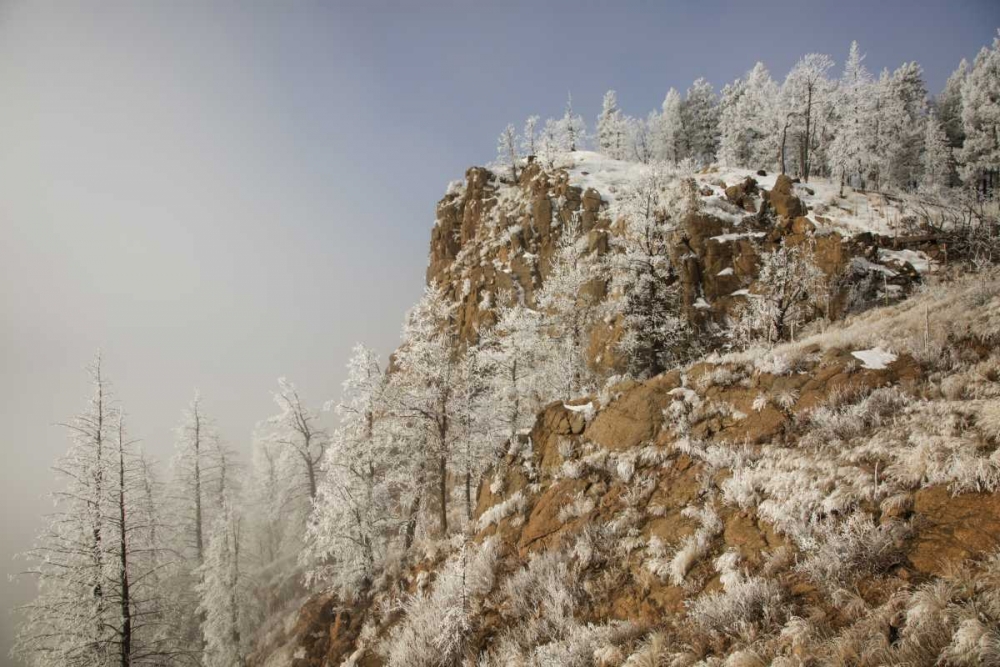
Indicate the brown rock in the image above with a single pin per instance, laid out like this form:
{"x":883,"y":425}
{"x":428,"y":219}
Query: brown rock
{"x":953,"y":528}
{"x":783,"y":199}
{"x":742,"y":194}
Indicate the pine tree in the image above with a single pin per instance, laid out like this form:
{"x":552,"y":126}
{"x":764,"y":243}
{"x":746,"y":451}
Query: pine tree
{"x":804,"y":93}
{"x":949,"y":105}
{"x":670,"y":130}
{"x":938,"y":164}
{"x":569,"y":302}
{"x":700,"y":117}
{"x":427,"y":391}
{"x":508,"y":155}
{"x":226,"y":603}
{"x":904,"y":117}
{"x":611,"y":128}
{"x":748,"y":121}
{"x":530,"y":138}
{"x":644,"y":280}
{"x":354,"y":513}
{"x":296,"y":428}
{"x":572,"y":128}
{"x":200,"y":476}
{"x":96,"y":562}
{"x":852,"y":151}
{"x":980,"y":154}
{"x":640,"y":138}
{"x":511,"y":356}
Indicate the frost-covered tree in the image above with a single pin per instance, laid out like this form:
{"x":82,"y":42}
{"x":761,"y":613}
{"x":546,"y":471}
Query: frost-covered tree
{"x":549,"y":142}
{"x":572,"y":129}
{"x":747,"y":120}
{"x":297,"y":429}
{"x":640,"y":138}
{"x":225,"y":600}
{"x":511,"y":356}
{"x":612,"y":128}
{"x":949,"y":105}
{"x":356,"y":509}
{"x":508,"y":154}
{"x":804,"y":93}
{"x":530,"y":137}
{"x":980,"y":154}
{"x":200,"y":468}
{"x":569,"y":300}
{"x":780,"y":299}
{"x":670,"y":130}
{"x":852,"y":152}
{"x":644,"y":281}
{"x":938,"y":164}
{"x":901,"y":126}
{"x":426,"y":387}
{"x":99,"y":602}
{"x":700,"y":116}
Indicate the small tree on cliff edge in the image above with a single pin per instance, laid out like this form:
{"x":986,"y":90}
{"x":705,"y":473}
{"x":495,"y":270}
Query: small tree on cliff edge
{"x":507,"y":151}
{"x":644,"y":280}
{"x":781,"y":299}
{"x":425,"y":391}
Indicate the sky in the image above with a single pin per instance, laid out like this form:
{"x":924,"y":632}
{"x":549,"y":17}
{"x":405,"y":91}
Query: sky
{"x":217,"y":194}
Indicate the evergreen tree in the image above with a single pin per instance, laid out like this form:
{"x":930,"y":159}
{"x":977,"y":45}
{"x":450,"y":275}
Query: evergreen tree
{"x":354,"y":514}
{"x":670,"y":130}
{"x":97,"y":560}
{"x":426,"y":388}
{"x":980,"y":154}
{"x":644,"y":280}
{"x":938,"y":164}
{"x":507,"y":151}
{"x":804,"y":95}
{"x":700,"y":118}
{"x":748,"y":121}
{"x":611,"y":128}
{"x":225,"y":597}
{"x":572,"y":129}
{"x":949,"y":105}
{"x":852,"y":151}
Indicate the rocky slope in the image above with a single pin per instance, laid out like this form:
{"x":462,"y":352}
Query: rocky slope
{"x":493,"y":240}
{"x":833,"y":501}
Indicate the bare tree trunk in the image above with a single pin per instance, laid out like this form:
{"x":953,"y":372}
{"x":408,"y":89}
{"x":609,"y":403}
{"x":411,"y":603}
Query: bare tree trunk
{"x":123,"y":566}
{"x":805,"y":145}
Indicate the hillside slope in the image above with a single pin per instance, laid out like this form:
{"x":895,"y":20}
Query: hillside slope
{"x":827,"y":501}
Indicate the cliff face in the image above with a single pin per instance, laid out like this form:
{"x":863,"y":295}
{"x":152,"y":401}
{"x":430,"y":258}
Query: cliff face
{"x":794,"y":508}
{"x":492,"y":239}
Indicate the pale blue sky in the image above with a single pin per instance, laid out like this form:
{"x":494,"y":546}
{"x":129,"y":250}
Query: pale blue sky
{"x":219,"y":193}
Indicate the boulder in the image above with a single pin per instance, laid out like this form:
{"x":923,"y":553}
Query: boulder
{"x":742,"y":194}
{"x":783,"y":200}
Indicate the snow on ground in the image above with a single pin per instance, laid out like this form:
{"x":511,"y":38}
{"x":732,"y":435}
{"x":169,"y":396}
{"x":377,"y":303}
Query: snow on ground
{"x":853,"y":213}
{"x":918,"y":260}
{"x":723,"y":238}
{"x":850,"y":214}
{"x":874,"y":359}
{"x":588,"y":169}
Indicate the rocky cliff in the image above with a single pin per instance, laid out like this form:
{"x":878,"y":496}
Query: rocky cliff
{"x":833,"y":501}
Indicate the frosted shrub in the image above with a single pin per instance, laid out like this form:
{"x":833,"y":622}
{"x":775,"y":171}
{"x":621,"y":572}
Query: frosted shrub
{"x":857,"y":548}
{"x":435,"y":625}
{"x":694,"y":547}
{"x":497,"y":513}
{"x":580,"y":506}
{"x":747,"y":606}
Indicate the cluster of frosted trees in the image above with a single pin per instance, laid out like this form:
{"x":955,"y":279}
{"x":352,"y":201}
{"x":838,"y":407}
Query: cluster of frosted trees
{"x":862,"y":129}
{"x":134,"y":570}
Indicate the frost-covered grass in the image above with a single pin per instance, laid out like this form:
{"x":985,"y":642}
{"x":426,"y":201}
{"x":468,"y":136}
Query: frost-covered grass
{"x":502,"y":510}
